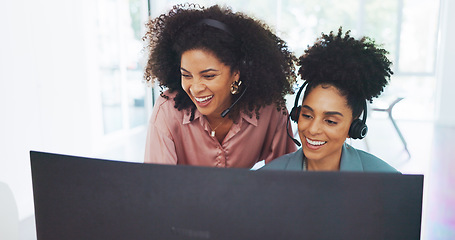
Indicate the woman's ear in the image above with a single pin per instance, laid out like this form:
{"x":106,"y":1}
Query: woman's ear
{"x":236,"y":75}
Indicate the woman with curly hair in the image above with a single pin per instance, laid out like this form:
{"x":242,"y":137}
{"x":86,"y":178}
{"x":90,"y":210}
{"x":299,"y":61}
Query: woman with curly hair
{"x":225,"y":76}
{"x":341,"y":74}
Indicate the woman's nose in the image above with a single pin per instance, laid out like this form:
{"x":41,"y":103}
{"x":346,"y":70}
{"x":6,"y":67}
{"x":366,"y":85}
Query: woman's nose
{"x":197,"y":86}
{"x":314,"y":128}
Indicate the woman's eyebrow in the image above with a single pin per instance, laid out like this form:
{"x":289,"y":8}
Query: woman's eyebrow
{"x":208,"y":70}
{"x":325,"y":113}
{"x":308,"y":107}
{"x":203,"y":71}
{"x":333,"y":113}
{"x":183,"y":69}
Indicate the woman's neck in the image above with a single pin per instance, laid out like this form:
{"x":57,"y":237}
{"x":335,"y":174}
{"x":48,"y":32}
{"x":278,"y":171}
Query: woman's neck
{"x":219,"y":127}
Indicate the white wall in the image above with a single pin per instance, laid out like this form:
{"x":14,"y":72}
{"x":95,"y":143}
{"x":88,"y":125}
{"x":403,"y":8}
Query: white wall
{"x":445,"y":102}
{"x":48,"y":95}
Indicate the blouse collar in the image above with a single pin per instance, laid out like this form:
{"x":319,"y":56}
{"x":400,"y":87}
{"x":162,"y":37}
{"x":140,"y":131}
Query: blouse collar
{"x":198,"y":115}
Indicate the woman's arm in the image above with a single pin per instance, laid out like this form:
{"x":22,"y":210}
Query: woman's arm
{"x":279,"y":143}
{"x":160,"y":147}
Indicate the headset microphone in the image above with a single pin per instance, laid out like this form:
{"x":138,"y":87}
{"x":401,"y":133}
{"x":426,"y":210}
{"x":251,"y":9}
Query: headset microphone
{"x":221,"y":26}
{"x":295,"y":112}
{"x":226,"y":111}
{"x":293,"y":139}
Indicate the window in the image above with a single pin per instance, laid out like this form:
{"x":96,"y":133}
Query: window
{"x":123,"y":93}
{"x":410,"y":38}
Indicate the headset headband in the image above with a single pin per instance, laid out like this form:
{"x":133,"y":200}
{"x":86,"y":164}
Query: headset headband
{"x":364,"y":116}
{"x":296,"y":101}
{"x":297,"y":97}
{"x":216,"y":24}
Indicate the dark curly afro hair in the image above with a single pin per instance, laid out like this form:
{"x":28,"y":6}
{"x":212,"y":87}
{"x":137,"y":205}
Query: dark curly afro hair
{"x":359,"y":69}
{"x":266,"y":65}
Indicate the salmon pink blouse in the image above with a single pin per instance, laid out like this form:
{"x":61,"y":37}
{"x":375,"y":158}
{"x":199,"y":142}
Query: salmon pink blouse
{"x":173,"y":139}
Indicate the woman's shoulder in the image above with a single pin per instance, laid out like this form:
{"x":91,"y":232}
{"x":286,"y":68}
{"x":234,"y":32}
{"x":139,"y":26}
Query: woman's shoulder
{"x":269,"y":116}
{"x":271,"y":109}
{"x":164,"y":107}
{"x":165,"y":98}
{"x":371,"y":163}
{"x":271,"y":113}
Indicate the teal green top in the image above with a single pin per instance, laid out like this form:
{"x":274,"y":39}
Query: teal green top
{"x":352,"y":160}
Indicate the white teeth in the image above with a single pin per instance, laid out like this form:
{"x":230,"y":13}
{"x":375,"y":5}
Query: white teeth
{"x":203,"y":99}
{"x":316,"y":143}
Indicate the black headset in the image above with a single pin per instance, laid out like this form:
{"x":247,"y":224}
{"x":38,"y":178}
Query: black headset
{"x":245,"y":62}
{"x":357,"y":130}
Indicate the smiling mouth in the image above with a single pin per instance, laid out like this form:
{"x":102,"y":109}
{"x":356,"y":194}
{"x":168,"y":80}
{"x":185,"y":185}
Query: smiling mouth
{"x":315,"y":143}
{"x":204,"y":99}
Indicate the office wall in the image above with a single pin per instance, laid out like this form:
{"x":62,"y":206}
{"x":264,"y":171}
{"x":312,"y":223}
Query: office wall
{"x":48,"y":95}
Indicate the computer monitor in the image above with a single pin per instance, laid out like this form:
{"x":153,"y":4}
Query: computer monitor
{"x":84,"y":198}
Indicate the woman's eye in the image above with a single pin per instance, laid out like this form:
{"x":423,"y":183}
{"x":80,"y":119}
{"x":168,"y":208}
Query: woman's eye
{"x":186,"y":75}
{"x":306,"y":116}
{"x":209,"y":76}
{"x":330,"y":122}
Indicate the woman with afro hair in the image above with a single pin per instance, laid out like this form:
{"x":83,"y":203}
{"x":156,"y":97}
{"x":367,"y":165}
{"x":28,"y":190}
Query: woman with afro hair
{"x":340,"y":74}
{"x":223,"y":77}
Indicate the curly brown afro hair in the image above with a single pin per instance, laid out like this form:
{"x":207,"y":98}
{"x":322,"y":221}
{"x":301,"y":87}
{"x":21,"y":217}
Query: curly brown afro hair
{"x":265,"y":63}
{"x":359,"y":69}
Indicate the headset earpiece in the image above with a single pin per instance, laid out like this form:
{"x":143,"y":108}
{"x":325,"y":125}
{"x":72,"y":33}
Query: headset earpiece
{"x":295,"y":111}
{"x":359,"y":129}
{"x":294,"y":115}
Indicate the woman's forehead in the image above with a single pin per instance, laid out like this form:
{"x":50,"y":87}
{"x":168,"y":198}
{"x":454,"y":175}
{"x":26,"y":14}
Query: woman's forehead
{"x":327,"y":98}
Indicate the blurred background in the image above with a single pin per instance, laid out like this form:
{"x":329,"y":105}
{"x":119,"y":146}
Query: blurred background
{"x":71,"y":83}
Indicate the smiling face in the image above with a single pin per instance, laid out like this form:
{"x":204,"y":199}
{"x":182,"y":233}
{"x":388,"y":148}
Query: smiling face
{"x":207,"y":81}
{"x":323,"y":124}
